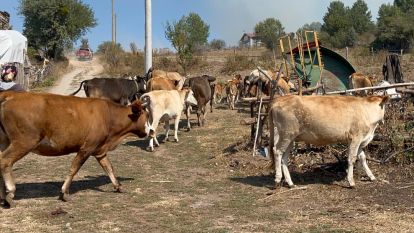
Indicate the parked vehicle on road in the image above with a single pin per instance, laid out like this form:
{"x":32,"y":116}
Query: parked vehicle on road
{"x":84,"y":54}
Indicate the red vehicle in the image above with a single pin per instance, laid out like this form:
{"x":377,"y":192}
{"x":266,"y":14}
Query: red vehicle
{"x":84,"y":54}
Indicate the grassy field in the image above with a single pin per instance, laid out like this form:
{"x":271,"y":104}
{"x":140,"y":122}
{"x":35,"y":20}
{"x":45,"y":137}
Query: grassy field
{"x":206,"y":182}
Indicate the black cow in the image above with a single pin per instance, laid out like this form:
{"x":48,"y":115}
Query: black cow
{"x":202,"y":88}
{"x":119,"y":90}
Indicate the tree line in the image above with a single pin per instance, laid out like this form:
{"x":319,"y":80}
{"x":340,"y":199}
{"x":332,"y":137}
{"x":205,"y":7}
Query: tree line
{"x":54,"y":25}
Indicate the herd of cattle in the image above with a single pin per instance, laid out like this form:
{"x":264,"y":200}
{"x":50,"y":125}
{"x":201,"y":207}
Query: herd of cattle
{"x":53,"y":125}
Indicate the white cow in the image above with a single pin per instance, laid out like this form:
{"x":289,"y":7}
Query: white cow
{"x":164,"y":105}
{"x":323,"y":120}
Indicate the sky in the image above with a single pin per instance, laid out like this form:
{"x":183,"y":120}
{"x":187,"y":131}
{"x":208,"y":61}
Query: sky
{"x":228,"y":19}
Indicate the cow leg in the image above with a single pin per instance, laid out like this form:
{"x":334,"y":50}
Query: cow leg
{"x":363,"y":160}
{"x":198,"y":117}
{"x":279,"y":150}
{"x":187,"y":114}
{"x":153,"y":132}
{"x":10,"y":156}
{"x":352,"y":156}
{"x":107,"y":166}
{"x":204,"y":114}
{"x":77,"y":163}
{"x":285,"y":163}
{"x":176,"y":122}
{"x":167,"y":129}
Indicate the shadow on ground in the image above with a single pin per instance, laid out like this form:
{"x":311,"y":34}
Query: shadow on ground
{"x":330,"y":173}
{"x":52,"y":189}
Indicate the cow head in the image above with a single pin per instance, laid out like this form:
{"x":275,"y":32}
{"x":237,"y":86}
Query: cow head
{"x":140,"y":116}
{"x":142,"y":83}
{"x":189,"y":97}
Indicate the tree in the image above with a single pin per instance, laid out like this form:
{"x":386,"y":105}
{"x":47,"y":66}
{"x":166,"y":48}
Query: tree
{"x":338,"y":27}
{"x":217,"y":44}
{"x":186,"y":35}
{"x":360,"y":17}
{"x":269,"y":31}
{"x":107,"y":46}
{"x":404,"y":5}
{"x":395,"y":28}
{"x":314,"y":26}
{"x":52,"y":25}
{"x":84,"y":43}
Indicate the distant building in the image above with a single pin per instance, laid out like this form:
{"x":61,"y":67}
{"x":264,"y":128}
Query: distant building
{"x":4,"y":20}
{"x":249,"y":40}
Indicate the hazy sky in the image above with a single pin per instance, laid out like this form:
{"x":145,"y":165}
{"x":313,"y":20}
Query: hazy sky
{"x":228,"y":19}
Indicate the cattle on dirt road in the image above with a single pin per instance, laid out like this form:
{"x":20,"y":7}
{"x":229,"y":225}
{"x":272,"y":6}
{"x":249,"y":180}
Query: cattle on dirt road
{"x":119,"y":90}
{"x":164,"y":105}
{"x":201,"y":86}
{"x":252,"y":83}
{"x":323,"y":120}
{"x":53,"y":125}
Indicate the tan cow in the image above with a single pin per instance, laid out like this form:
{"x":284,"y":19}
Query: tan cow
{"x":218,"y":92}
{"x":176,"y":78}
{"x":53,"y":125}
{"x":164,"y":105}
{"x":157,"y":83}
{"x":358,"y":80}
{"x":323,"y":120}
{"x":233,"y":89}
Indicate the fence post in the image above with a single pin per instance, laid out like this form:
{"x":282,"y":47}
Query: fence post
{"x":347,"y":52}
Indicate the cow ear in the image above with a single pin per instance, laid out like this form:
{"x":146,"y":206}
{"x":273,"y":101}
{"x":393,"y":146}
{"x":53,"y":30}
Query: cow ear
{"x":384,"y":100}
{"x":137,"y":107}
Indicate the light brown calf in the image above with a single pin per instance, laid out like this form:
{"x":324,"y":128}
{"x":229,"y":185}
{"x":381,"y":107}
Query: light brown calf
{"x":323,"y":120}
{"x":358,"y":80}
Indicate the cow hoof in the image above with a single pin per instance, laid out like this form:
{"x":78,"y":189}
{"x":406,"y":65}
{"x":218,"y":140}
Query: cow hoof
{"x":166,"y":139}
{"x":175,"y":139}
{"x":8,"y":202}
{"x":277,"y":185}
{"x":188,"y":129}
{"x":292,"y":186}
{"x":150,"y":149}
{"x":64,"y":197}
{"x":118,"y":189}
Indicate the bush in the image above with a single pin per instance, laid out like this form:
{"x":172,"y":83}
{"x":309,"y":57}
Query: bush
{"x":237,"y":63}
{"x":396,"y":135}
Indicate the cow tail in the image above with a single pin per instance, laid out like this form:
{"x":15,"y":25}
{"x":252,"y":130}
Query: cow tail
{"x":80,"y":87}
{"x":271,"y":164}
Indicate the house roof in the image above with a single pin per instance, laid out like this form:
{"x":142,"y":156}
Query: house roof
{"x":250,"y":35}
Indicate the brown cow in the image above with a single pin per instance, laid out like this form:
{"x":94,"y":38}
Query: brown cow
{"x":53,"y":125}
{"x":323,"y":120}
{"x":358,"y":80}
{"x":252,"y":83}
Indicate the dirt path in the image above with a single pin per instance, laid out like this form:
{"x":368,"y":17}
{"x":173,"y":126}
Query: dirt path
{"x":82,"y":70}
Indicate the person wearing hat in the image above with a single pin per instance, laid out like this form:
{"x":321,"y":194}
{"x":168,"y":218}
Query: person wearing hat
{"x":8,"y":75}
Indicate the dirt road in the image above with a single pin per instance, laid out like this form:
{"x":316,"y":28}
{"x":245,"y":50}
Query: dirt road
{"x":81,"y":70}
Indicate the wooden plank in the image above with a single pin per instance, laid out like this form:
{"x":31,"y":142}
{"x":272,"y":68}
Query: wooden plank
{"x":371,"y":88}
{"x":248,"y":121}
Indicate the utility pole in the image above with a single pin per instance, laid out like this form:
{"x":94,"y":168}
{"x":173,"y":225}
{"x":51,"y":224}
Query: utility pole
{"x":113,"y":23}
{"x":148,"y":36}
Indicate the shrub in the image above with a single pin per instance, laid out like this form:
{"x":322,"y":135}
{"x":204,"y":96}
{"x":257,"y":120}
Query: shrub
{"x":236,"y":63}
